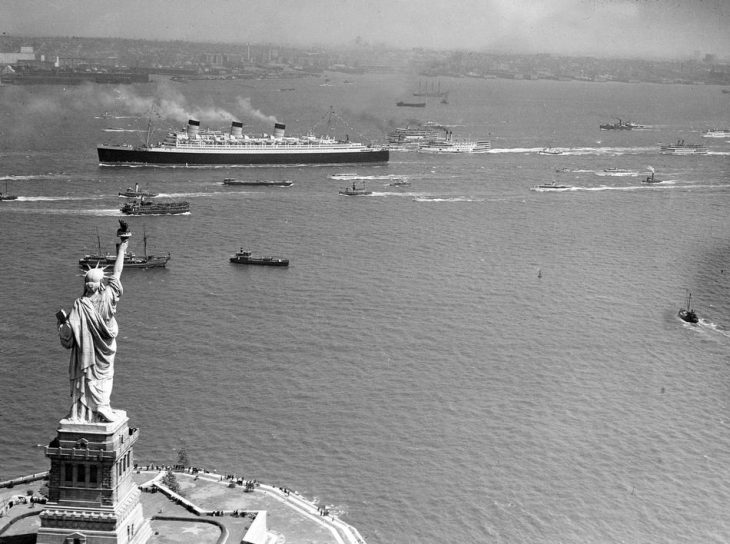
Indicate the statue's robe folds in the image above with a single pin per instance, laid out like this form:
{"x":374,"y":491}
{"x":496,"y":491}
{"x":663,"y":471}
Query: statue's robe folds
{"x":90,"y":333}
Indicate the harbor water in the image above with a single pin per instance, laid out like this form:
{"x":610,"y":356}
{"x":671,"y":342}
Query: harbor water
{"x":462,"y":359}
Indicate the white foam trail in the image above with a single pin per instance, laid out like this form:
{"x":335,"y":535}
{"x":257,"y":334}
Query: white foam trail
{"x":57,"y":198}
{"x":618,"y":174}
{"x":106,"y":212}
{"x":447,"y":199}
{"x":579,"y":150}
{"x":34,"y":176}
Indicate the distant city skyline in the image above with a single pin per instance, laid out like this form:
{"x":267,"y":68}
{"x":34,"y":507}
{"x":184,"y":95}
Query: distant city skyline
{"x":609,"y":28}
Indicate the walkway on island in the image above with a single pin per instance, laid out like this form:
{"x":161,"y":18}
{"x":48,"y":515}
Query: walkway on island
{"x":210,"y":509}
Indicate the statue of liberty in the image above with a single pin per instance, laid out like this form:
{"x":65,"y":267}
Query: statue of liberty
{"x":90,"y":332}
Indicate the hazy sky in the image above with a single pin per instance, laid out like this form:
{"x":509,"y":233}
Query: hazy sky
{"x":667,"y":28}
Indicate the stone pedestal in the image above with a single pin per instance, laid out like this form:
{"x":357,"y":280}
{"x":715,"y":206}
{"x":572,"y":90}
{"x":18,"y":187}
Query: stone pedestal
{"x":92,"y":498}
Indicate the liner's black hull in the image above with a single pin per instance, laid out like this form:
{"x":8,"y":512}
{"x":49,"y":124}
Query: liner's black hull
{"x":123,"y":155}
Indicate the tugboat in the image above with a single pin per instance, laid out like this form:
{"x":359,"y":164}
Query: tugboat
{"x":651,"y":179}
{"x":136,"y":192}
{"x":688,"y":314}
{"x":131,"y":260}
{"x":245,"y":257}
{"x":355,"y":190}
{"x":143,"y":207}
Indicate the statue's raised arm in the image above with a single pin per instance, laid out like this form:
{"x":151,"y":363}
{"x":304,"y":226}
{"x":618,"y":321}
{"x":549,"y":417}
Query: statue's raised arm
{"x":124,"y":234}
{"x":90,"y":331}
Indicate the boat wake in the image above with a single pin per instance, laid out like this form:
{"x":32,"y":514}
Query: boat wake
{"x":616,"y":174}
{"x":352,"y":177}
{"x":666,"y":185}
{"x":123,"y":130}
{"x":50,"y":175}
{"x":719,"y":329}
{"x":187,"y":195}
{"x":553,"y":189}
{"x":112,"y":212}
{"x":398,"y":193}
{"x":107,"y":116}
{"x":602,"y":151}
{"x":57,"y":198}
{"x":447,"y":199}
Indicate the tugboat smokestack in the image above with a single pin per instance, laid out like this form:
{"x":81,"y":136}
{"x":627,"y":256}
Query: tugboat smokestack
{"x":193,"y":128}
{"x":279,"y":131}
{"x":236,"y":129}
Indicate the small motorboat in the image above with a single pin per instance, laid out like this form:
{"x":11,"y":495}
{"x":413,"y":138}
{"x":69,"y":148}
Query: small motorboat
{"x":136,"y":192}
{"x":355,"y":190}
{"x":688,"y":314}
{"x":6,"y":196}
{"x":550,"y":187}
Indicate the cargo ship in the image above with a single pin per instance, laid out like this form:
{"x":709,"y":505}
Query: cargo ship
{"x":621,"y":125}
{"x":146,"y":207}
{"x":193,"y":146}
{"x":104,"y":259}
{"x":246,"y":257}
{"x":402,"y":104}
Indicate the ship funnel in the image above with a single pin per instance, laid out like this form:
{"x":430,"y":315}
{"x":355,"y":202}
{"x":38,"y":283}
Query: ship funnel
{"x":236,"y":129}
{"x":278,"y":131}
{"x":193,"y":128}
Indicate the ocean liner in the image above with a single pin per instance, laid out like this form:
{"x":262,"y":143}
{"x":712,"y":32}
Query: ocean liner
{"x":193,"y":146}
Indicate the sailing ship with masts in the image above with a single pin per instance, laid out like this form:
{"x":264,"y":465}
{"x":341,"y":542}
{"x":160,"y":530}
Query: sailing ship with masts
{"x":104,"y":259}
{"x":430,"y":90}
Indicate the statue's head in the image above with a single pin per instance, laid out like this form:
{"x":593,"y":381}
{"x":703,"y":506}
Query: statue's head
{"x":93,"y":280}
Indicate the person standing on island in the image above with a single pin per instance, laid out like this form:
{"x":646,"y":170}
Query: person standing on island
{"x":90,"y":332}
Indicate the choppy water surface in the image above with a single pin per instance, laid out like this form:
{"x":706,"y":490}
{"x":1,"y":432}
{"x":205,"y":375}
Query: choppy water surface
{"x":460,"y":359}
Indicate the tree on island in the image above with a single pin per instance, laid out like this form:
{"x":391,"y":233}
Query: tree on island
{"x":183,"y":461}
{"x":170,"y":482}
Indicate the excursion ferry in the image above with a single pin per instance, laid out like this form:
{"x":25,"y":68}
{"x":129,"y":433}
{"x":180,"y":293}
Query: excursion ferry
{"x":716,"y":133}
{"x":681,"y":148}
{"x":193,"y":146}
{"x":456,"y":146}
{"x":412,"y":136}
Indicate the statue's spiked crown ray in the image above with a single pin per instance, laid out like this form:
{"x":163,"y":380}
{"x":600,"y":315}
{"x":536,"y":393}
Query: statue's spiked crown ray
{"x":95,"y":274}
